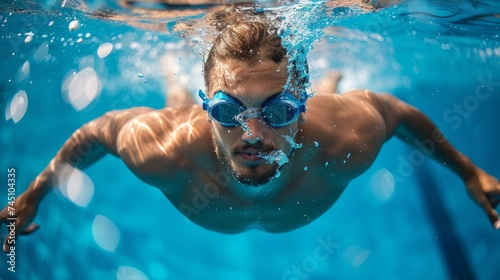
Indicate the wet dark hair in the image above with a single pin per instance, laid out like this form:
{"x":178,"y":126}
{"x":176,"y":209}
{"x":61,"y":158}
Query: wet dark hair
{"x":247,"y":41}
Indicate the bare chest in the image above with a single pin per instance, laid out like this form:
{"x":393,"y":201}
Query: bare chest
{"x":214,"y":201}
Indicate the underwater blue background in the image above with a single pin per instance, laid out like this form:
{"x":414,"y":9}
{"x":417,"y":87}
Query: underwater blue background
{"x":402,"y":219}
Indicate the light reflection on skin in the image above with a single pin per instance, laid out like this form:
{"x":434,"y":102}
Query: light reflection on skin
{"x":163,"y":131}
{"x":171,"y":150}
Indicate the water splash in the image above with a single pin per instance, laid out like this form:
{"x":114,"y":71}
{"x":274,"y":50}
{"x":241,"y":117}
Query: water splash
{"x":292,"y":142}
{"x":243,"y":117}
{"x":277,"y":156}
{"x":299,"y":27}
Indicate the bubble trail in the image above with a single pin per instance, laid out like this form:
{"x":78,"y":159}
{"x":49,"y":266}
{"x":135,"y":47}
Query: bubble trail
{"x":292,"y":142}
{"x":277,"y":156}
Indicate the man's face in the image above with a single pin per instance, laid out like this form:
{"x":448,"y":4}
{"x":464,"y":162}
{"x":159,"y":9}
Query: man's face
{"x":252,"y":85}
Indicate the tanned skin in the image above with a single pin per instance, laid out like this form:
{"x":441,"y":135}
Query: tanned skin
{"x":179,"y":150}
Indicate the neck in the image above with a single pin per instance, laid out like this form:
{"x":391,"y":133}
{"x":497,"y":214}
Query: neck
{"x":269,"y":190}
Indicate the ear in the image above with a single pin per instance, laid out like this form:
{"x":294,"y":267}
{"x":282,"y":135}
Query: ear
{"x":302,"y":118}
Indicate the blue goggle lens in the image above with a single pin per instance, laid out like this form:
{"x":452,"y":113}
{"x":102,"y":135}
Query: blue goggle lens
{"x":277,"y":112}
{"x":275,"y":115}
{"x":225,"y":113}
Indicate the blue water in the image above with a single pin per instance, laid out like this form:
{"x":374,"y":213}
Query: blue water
{"x":393,"y":222}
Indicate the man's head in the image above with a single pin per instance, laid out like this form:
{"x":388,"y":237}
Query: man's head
{"x":251,"y":42}
{"x":248,"y":63}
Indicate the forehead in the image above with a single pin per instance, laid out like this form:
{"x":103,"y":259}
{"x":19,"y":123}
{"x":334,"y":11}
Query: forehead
{"x":250,"y":82}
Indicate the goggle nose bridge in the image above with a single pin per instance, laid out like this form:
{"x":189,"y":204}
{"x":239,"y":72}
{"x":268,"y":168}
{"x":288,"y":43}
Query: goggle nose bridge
{"x":256,"y":111}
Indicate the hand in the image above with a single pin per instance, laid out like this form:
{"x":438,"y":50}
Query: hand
{"x":26,"y":206}
{"x":484,"y":189}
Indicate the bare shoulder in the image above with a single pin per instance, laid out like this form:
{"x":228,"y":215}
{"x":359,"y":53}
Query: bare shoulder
{"x":389,"y":109}
{"x":357,"y":108}
{"x":159,"y":141}
{"x":362,"y":97}
{"x":349,"y":126}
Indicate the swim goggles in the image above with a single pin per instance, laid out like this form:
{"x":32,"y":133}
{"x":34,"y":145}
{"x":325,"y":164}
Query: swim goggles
{"x":277,"y":111}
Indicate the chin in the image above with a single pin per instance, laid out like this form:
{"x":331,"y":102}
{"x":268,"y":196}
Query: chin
{"x":255,"y":175}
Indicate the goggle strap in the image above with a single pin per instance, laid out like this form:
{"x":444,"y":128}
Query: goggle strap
{"x":205,"y":99}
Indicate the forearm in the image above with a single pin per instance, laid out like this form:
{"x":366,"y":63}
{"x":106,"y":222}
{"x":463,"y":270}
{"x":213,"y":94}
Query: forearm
{"x":412,"y":126}
{"x":85,"y":146}
{"x":419,"y":131}
{"x":82,"y":149}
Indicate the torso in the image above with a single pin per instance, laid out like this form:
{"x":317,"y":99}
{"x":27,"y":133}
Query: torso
{"x":341,"y":139}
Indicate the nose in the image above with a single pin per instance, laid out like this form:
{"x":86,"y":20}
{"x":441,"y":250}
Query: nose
{"x":255,"y":131}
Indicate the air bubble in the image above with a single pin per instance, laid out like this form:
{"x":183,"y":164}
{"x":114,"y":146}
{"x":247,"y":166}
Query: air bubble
{"x":292,"y":143}
{"x":277,"y":156}
{"x":74,"y":25}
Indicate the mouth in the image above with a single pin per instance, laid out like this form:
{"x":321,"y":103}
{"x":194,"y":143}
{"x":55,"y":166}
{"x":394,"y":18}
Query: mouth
{"x":250,"y":154}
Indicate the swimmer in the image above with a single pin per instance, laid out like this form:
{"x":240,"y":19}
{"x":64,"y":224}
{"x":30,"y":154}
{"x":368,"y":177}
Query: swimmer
{"x":284,"y":170}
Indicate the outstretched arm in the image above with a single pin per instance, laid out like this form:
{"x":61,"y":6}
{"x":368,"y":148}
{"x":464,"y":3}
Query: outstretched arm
{"x":87,"y":145}
{"x":414,"y":127}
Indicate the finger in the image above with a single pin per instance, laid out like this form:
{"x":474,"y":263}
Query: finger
{"x":5,"y":245}
{"x":490,"y":211}
{"x":3,"y":218}
{"x":493,"y":202}
{"x":496,"y":190}
{"x":30,"y":229}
